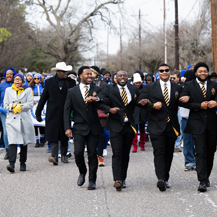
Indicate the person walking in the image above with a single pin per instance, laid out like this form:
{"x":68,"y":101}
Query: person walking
{"x":54,"y":94}
{"x":202,"y":121}
{"x":8,"y":75}
{"x":18,"y":101}
{"x":163,"y":122}
{"x":37,"y":85}
{"x":121,"y":98}
{"x":87,"y":127}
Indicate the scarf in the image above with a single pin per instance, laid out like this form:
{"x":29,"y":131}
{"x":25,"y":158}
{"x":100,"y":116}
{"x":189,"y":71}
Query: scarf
{"x":19,"y":89}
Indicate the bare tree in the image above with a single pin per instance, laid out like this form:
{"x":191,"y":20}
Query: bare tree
{"x":70,"y":29}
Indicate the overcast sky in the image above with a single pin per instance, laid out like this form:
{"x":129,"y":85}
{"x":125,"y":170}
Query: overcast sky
{"x":152,"y":19}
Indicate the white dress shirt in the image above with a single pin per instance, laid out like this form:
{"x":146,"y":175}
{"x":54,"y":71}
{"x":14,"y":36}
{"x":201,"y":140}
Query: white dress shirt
{"x":129,"y":98}
{"x":83,"y":89}
{"x":127,"y":91}
{"x":168,"y":84}
{"x":205,"y":83}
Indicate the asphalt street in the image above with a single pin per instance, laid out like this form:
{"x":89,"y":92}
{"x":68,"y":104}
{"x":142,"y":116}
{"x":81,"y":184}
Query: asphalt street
{"x":51,"y":191}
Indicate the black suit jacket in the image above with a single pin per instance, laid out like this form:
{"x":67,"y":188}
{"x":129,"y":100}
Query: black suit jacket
{"x":200,"y":119}
{"x":85,"y":117}
{"x":111,"y":96}
{"x":157,"y":119}
{"x":55,"y":99}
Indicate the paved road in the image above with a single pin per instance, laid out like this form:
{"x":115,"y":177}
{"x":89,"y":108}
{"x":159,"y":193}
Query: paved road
{"x":49,"y":191}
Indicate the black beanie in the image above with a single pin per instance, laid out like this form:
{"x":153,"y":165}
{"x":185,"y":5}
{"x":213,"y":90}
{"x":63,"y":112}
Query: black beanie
{"x":189,"y":75}
{"x":200,"y":64}
{"x":96,"y":70}
{"x":106,"y":72}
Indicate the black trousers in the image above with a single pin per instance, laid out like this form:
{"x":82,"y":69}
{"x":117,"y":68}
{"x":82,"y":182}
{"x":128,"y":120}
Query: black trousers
{"x":13,"y":153}
{"x":100,"y":144}
{"x":163,"y":146}
{"x":63,"y":147}
{"x":121,"y":144}
{"x":79,"y":145}
{"x":205,"y":148}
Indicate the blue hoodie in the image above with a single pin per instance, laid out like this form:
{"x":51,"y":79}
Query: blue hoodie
{"x":5,"y":85}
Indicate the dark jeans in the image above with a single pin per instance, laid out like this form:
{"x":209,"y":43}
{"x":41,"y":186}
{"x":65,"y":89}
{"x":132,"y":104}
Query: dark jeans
{"x":188,"y":145}
{"x":13,"y":153}
{"x":121,"y":144}
{"x":163,"y":146}
{"x":79,"y":144}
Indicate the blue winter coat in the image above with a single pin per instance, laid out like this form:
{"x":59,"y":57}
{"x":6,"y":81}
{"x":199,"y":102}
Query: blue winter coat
{"x":3,"y":87}
{"x":37,"y":91}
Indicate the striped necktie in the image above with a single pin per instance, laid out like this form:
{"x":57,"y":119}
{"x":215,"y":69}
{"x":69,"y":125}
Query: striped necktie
{"x":124,"y":96}
{"x":86,"y":94}
{"x":166,"y":98}
{"x":203,"y":89}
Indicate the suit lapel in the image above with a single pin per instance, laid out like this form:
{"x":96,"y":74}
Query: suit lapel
{"x":117,"y":93}
{"x":197,"y":86}
{"x":208,"y":89}
{"x":159,"y":90}
{"x":80,"y":99}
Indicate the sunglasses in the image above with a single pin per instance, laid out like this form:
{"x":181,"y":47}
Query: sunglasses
{"x":172,"y":78}
{"x":164,"y":70}
{"x":36,"y":78}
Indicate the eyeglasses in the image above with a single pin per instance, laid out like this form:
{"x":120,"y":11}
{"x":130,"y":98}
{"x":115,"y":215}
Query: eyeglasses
{"x":17,"y":79}
{"x":164,"y":70}
{"x":36,"y":78}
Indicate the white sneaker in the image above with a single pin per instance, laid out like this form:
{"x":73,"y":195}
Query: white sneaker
{"x":105,"y":152}
{"x":18,"y":150}
{"x":59,"y":155}
{"x":181,"y":144}
{"x":85,"y":149}
{"x":71,"y":141}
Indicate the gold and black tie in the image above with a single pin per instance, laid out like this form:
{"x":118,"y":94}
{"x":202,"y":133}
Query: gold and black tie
{"x":203,"y":89}
{"x":124,"y":96}
{"x":166,"y":98}
{"x":86,"y":94}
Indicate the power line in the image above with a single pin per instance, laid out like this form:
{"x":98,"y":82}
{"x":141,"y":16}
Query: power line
{"x":189,"y":12}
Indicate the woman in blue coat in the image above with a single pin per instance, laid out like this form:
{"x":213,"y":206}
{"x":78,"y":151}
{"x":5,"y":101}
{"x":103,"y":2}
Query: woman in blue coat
{"x":37,"y":86}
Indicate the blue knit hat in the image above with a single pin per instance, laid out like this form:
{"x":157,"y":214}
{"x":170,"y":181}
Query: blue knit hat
{"x":37,"y":75}
{"x":10,"y":69}
{"x":19,"y":75}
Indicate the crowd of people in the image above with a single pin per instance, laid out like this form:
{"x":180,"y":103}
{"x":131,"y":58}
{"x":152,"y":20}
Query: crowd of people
{"x":174,"y":109}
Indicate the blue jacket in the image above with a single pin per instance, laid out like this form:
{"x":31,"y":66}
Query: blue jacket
{"x":3,"y":87}
{"x":35,"y":90}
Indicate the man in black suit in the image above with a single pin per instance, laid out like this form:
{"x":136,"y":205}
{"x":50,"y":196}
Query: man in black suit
{"x":163,"y":124}
{"x":122,"y":97}
{"x":54,"y":94}
{"x":82,"y":102}
{"x":202,"y":121}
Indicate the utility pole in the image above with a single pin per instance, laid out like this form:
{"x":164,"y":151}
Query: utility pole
{"x":176,"y":36}
{"x":165,"y":34}
{"x":121,"y":66}
{"x":214,"y":33}
{"x":140,"y":42}
{"x":107,"y":47}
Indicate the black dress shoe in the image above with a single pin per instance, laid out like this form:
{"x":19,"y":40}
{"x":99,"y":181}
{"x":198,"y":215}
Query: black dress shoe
{"x":208,"y":183}
{"x":10,"y":168}
{"x":37,"y":145}
{"x":118,"y":185}
{"x":64,"y":159}
{"x":81,"y":179}
{"x":202,"y":187}
{"x":22,"y":167}
{"x":91,"y":185}
{"x":167,"y":184}
{"x":53,"y":160}
{"x":161,"y":185}
{"x":124,"y":184}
